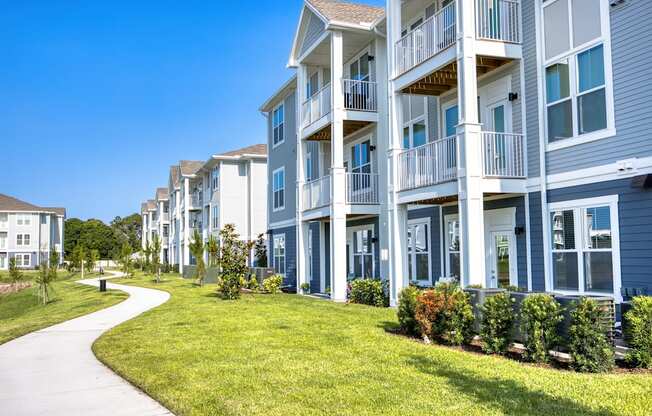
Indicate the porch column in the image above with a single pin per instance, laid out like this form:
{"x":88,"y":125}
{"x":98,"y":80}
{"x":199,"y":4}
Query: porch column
{"x":185,"y":260}
{"x":471,"y":210}
{"x":302,"y":227}
{"x":338,"y":178}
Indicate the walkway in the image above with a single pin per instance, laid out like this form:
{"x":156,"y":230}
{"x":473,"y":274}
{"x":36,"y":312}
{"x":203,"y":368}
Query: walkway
{"x":54,"y":372}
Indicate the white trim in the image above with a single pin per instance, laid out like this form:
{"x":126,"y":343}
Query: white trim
{"x":280,"y":207}
{"x":421,"y":221}
{"x":446,"y":242}
{"x":281,"y":224}
{"x":276,"y":237}
{"x":281,"y":124}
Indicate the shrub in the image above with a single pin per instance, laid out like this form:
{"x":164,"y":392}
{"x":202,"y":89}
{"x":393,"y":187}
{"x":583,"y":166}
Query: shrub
{"x":229,"y":286}
{"x":639,"y":320}
{"x":445,"y":313}
{"x":497,"y":321}
{"x":253,"y":284}
{"x":407,"y":310}
{"x":540,"y":315}
{"x":15,"y":274}
{"x":273,"y":284}
{"x":588,"y":343}
{"x":368,"y":292}
{"x":305,"y":286}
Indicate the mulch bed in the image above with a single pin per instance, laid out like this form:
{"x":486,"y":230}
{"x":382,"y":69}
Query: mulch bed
{"x":9,"y":288}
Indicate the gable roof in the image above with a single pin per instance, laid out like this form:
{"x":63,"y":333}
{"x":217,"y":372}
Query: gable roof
{"x":256,"y":149}
{"x":151,"y":205}
{"x":337,"y":11}
{"x":143,"y":207}
{"x":9,"y":203}
{"x":174,"y":176}
{"x":161,"y":194}
{"x":189,"y":167}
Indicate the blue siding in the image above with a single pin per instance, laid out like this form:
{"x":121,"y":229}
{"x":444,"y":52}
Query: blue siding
{"x":435,"y":241}
{"x":290,"y":253}
{"x":536,"y":243}
{"x":635,"y":219}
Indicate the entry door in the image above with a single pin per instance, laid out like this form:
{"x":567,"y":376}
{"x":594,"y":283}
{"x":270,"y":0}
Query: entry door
{"x":500,"y":146}
{"x":418,"y":240}
{"x":3,"y":261}
{"x":363,"y":253}
{"x":502,"y":258}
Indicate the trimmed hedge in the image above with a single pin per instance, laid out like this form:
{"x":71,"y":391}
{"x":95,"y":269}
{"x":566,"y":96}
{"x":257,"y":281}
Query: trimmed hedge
{"x":588,"y":344}
{"x":639,"y":328}
{"x":368,"y":292}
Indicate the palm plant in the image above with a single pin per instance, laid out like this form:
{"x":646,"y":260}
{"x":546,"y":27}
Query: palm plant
{"x":197,"y":249}
{"x":213,"y":250}
{"x":156,"y":259}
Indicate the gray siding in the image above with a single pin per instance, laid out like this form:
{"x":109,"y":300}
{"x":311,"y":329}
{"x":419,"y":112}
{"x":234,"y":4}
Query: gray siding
{"x":314,"y":29}
{"x":290,"y":253}
{"x":536,"y":243}
{"x":635,"y":220}
{"x":284,"y":155}
{"x":531,"y":92}
{"x":435,"y":238}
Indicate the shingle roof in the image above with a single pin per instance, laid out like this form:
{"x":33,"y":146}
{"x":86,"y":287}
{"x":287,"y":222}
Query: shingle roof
{"x":151,"y":204}
{"x":341,"y":11}
{"x":143,"y":207}
{"x":174,"y":175}
{"x":9,"y":203}
{"x":190,"y":167}
{"x":256,"y":149}
{"x":162,"y":194}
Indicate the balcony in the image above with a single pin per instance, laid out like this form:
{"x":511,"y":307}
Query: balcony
{"x":317,"y":193}
{"x":436,"y":162}
{"x":196,"y":200}
{"x":317,"y":106}
{"x":362,"y":188}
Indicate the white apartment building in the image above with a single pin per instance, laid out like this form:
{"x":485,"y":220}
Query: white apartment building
{"x":29,"y":233}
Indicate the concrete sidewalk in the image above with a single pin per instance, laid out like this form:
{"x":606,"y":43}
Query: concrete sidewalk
{"x":54,"y":372}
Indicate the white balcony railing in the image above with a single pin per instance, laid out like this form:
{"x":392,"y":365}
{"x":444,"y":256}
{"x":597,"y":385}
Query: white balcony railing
{"x":196,"y":200}
{"x":426,"y":40}
{"x":429,"y":164}
{"x":498,"y":20}
{"x":361,"y":188}
{"x":360,"y":95}
{"x":503,"y":155}
{"x":317,"y":193}
{"x":317,"y":106}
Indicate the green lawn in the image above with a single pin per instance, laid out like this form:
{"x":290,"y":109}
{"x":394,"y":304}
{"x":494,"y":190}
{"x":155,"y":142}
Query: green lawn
{"x":21,"y":312}
{"x":290,"y":355}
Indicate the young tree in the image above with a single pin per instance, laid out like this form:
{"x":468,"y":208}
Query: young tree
{"x":126,"y":264}
{"x":156,"y":258}
{"x":91,"y":259}
{"x":234,"y":252}
{"x":43,"y":281}
{"x":54,"y":260}
{"x":197,"y":250}
{"x":261,"y":251}
{"x":14,"y":272}
{"x":147,"y":253}
{"x":77,"y":257}
{"x":213,"y":250}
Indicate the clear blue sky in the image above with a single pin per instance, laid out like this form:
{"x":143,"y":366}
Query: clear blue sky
{"x":98,"y":99}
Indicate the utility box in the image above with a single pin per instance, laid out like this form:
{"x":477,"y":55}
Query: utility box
{"x":102,"y":285}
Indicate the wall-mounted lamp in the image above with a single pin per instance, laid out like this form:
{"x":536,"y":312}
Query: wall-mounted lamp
{"x":519,"y":230}
{"x":374,"y":240}
{"x":370,"y":58}
{"x":372,"y":148}
{"x":512,"y":96}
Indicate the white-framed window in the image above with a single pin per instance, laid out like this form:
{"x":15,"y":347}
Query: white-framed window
{"x":166,"y":207}
{"x":23,"y":219}
{"x":215,"y":178}
{"x":278,"y":123}
{"x":309,"y":172}
{"x":418,"y":250}
{"x":3,"y":240}
{"x":3,"y":261}
{"x":216,"y":216}
{"x":577,"y":71}
{"x":23,"y":260}
{"x":279,"y":254}
{"x":278,"y":188}
{"x":415,"y":127}
{"x":584,"y":244}
{"x":362,"y":253}
{"x":166,"y":230}
{"x":452,"y":246}
{"x":4,"y":220}
{"x":23,"y":239}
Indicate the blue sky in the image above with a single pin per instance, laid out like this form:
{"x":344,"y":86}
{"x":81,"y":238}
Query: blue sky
{"x":98,"y":99}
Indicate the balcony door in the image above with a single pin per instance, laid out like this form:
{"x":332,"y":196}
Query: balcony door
{"x":360,"y":177}
{"x":361,"y":252}
{"x":418,"y":250}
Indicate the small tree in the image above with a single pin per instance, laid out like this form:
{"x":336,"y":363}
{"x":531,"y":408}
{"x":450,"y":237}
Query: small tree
{"x":260,"y":250}
{"x":234,"y":252}
{"x":43,"y":281}
{"x":91,"y":259}
{"x":156,"y":259}
{"x":54,"y":260}
{"x":147,"y":252}
{"x":125,"y":260}
{"x":78,"y":257}
{"x":14,"y":272}
{"x":213,"y":250}
{"x":197,"y":250}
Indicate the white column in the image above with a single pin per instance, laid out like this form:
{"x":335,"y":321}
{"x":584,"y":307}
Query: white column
{"x":471,"y":210}
{"x":185,"y":258}
{"x":338,"y":180}
{"x":302,"y":227}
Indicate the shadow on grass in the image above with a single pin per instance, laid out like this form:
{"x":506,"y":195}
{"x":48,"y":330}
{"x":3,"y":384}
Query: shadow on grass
{"x":392,"y":327}
{"x":509,"y":396}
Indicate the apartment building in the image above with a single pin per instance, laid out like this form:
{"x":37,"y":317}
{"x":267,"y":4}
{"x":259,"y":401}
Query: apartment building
{"x":202,"y":196}
{"x":29,"y":233}
{"x":496,"y":142}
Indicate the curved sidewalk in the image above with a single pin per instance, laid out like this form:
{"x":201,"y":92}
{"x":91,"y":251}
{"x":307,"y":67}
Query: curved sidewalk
{"x":54,"y":372}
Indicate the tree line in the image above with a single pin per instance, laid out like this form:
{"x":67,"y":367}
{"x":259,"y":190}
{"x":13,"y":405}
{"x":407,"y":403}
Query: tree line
{"x":105,"y":241}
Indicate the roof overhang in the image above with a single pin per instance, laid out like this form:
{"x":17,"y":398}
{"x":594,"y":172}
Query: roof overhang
{"x":289,"y":85}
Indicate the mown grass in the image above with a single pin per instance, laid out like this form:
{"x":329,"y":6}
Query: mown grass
{"x":290,"y":355}
{"x":22,"y":312}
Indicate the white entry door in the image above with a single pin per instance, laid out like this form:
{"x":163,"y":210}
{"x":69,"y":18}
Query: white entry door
{"x":3,"y":261}
{"x":502,"y":259}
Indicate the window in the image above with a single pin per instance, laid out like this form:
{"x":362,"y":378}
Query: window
{"x":312,"y":86}
{"x":44,"y":219}
{"x":363,"y":254}
{"x":166,"y":230}
{"x":23,"y":219}
{"x":23,"y":260}
{"x":279,"y":189}
{"x":279,"y":254}
{"x":3,"y":240}
{"x":359,"y":69}
{"x":414,"y":121}
{"x":215,"y":178}
{"x":583,"y":236}
{"x":278,"y":121}
{"x":4,"y":220}
{"x":216,"y":217}
{"x":3,"y":260}
{"x":309,"y":166}
{"x":451,"y":120}
{"x":166,"y":207}
{"x":23,"y":239}
{"x":453,"y":246}
{"x":360,"y":166}
{"x":418,"y":240}
{"x":576,"y":94}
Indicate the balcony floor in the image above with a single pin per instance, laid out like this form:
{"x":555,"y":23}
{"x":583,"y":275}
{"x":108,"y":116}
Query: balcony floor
{"x":350,"y":127}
